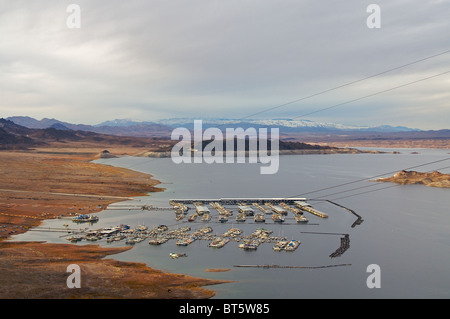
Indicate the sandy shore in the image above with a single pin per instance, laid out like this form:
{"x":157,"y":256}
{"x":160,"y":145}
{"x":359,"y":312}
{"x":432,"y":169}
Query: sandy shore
{"x":47,"y":183}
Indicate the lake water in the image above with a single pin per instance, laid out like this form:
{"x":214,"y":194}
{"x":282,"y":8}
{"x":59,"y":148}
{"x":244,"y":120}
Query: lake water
{"x":406,"y":229}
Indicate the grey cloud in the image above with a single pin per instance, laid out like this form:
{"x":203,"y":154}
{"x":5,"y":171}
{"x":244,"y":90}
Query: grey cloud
{"x":222,"y":58}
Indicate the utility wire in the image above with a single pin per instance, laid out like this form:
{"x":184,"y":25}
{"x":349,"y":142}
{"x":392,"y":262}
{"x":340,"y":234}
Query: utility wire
{"x":370,"y":95}
{"x":396,"y":185}
{"x":368,"y":186}
{"x":346,"y":84}
{"x":372,"y":177}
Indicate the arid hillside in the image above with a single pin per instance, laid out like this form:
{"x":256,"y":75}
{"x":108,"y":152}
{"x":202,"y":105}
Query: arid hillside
{"x":434,"y":179}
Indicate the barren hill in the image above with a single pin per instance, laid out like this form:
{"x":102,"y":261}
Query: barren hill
{"x":434,"y":179}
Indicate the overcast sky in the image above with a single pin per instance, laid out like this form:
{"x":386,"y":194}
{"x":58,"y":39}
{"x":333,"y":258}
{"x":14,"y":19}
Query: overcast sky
{"x":149,"y":60}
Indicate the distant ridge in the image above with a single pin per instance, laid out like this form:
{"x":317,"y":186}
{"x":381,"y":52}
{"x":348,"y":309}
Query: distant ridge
{"x":115,"y":127}
{"x":286,"y":125}
{"x":289,"y":129}
{"x":17,"y":137}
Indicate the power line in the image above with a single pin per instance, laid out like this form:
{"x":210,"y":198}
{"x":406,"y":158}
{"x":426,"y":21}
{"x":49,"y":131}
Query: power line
{"x":375,"y":190}
{"x":346,"y":84}
{"x":364,"y":179}
{"x":368,"y":186}
{"x":373,"y":94}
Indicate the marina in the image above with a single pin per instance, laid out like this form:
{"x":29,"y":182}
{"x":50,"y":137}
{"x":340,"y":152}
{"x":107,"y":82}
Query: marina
{"x":183,"y":236}
{"x":202,"y":215}
{"x":314,"y":250}
{"x":297,"y":175}
{"x":243,"y":208}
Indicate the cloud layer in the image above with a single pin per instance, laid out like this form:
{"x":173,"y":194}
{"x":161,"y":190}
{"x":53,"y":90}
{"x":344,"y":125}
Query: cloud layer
{"x":159,"y":59}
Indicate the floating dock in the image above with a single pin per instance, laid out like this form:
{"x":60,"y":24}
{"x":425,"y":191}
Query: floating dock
{"x":236,"y":201}
{"x":245,"y":207}
{"x":307,"y":207}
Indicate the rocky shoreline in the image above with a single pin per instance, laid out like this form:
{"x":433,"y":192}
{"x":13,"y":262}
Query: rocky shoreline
{"x":434,"y":179}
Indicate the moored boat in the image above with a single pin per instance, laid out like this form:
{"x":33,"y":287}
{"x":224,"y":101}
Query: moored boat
{"x":277,"y":218}
{"x":223,"y":219}
{"x":240,"y":218}
{"x":259,"y":218}
{"x":218,"y":242}
{"x":301,"y":219}
{"x":280,"y":245}
{"x":292,"y":245}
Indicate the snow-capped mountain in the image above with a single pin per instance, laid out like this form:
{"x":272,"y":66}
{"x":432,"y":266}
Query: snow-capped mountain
{"x":288,"y":124}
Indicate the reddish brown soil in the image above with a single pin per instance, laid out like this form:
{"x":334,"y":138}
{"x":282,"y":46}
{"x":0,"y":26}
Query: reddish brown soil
{"x":28,"y":186}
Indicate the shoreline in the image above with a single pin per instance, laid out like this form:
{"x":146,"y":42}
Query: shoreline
{"x":346,"y":150}
{"x":47,"y":185}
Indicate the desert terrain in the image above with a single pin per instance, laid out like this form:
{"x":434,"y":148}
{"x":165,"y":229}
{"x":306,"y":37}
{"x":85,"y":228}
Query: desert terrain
{"x":60,"y":180}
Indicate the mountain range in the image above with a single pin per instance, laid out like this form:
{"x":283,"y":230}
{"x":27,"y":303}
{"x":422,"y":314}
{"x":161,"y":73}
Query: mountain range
{"x":117,"y":127}
{"x":21,"y":132}
{"x":14,"y":136}
{"x":163,"y":128}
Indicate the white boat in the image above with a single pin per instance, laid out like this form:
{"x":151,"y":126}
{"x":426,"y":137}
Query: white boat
{"x":259,"y":218}
{"x":130,"y":241}
{"x":158,"y":241}
{"x":74,"y":239}
{"x":218,"y":242}
{"x":280,"y":245}
{"x":292,"y":245}
{"x":301,"y":219}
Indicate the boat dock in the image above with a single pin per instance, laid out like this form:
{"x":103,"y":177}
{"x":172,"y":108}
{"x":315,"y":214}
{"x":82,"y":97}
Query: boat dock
{"x":183,"y":236}
{"x":208,"y":212}
{"x":291,"y":267}
{"x":345,"y":243}
{"x":244,"y":207}
{"x":307,"y":208}
{"x":358,"y":220}
{"x":236,"y":201}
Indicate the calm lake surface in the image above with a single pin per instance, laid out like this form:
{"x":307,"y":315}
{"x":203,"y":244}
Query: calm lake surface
{"x":406,"y":229}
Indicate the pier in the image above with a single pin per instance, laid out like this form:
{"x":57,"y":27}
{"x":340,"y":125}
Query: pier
{"x":345,"y":243}
{"x":291,"y":267}
{"x":277,"y":207}
{"x":359,"y":219}
{"x":307,"y":207}
{"x":236,"y":201}
{"x":141,"y":207}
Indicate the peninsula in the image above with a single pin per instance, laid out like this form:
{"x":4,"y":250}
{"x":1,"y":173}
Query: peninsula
{"x":434,"y":179}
